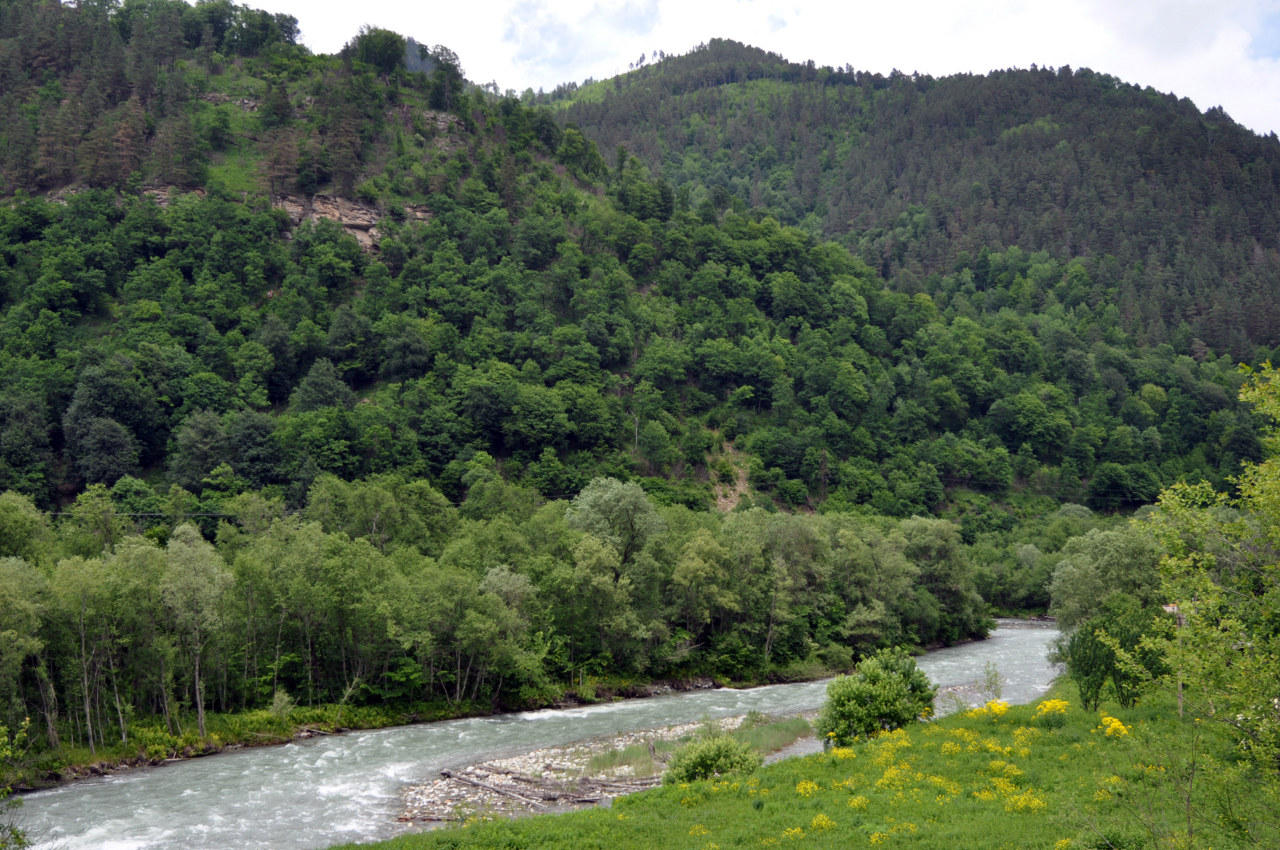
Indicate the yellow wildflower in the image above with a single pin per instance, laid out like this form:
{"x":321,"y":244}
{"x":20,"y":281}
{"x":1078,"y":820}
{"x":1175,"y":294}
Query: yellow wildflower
{"x":1024,"y":735}
{"x":1050,"y":707}
{"x":820,"y":823}
{"x":1112,"y":727}
{"x":698,"y":829}
{"x":1026,"y":801}
{"x":994,"y":709}
{"x":947,"y":786}
{"x":858,"y":803}
{"x":806,"y":788}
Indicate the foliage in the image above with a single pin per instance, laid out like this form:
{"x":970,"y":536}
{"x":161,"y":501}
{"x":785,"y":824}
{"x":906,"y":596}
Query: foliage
{"x":12,"y":836}
{"x":380,"y":48}
{"x":1113,"y":648}
{"x":1099,"y":565}
{"x":886,"y":692}
{"x":710,"y":757}
{"x":380,"y":592}
{"x":1223,"y":585}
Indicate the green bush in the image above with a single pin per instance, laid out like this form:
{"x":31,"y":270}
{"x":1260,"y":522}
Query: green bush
{"x":708,"y":757}
{"x":886,"y":691}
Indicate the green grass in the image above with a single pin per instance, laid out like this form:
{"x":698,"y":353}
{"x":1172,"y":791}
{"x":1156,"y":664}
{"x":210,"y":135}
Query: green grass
{"x":763,"y":734}
{"x":237,"y":171}
{"x":636,"y":757}
{"x":966,"y":781}
{"x":766,"y":735}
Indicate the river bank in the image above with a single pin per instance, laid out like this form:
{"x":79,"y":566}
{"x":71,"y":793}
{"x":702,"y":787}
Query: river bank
{"x":597,"y":771}
{"x":152,"y":746}
{"x":1048,"y":774}
{"x":547,"y":779}
{"x":326,"y":789}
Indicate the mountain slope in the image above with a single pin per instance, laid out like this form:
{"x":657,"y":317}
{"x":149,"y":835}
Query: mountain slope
{"x":1175,"y":212}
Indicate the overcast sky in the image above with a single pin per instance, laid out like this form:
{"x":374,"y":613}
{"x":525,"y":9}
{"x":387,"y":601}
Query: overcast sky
{"x":1216,"y":52}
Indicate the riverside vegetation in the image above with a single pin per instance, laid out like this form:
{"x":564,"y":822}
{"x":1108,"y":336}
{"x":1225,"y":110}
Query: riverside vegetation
{"x":1016,"y":776}
{"x":469,"y":461}
{"x":1170,"y":736}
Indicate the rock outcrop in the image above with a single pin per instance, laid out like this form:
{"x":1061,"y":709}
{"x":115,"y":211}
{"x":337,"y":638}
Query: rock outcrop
{"x":359,"y":219}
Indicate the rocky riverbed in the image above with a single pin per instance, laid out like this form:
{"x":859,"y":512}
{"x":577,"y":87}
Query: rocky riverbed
{"x":555,"y":778}
{"x":562,"y":778}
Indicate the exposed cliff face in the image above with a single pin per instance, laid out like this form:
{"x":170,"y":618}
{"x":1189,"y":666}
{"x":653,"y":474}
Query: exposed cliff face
{"x":359,"y":219}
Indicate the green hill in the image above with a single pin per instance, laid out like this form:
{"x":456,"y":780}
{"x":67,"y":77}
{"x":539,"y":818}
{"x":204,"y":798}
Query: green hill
{"x":1172,"y":211}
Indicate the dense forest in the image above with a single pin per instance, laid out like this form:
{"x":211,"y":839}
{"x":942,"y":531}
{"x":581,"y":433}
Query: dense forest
{"x":533,"y":416}
{"x":1172,"y":210}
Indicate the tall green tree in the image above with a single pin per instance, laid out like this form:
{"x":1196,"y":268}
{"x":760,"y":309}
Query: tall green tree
{"x":194,"y":588}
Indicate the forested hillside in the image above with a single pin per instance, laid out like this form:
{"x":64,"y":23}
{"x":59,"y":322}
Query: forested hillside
{"x":332,"y":378}
{"x":1174,"y":213}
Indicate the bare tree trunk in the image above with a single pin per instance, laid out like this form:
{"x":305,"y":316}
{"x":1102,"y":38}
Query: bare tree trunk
{"x":49,"y":702}
{"x":115,"y":692}
{"x":171,"y":722}
{"x":84,"y":691}
{"x":199,"y":696}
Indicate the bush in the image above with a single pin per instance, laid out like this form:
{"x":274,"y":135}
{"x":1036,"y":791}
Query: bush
{"x":708,"y":757}
{"x":886,"y":691}
{"x":1109,"y":649}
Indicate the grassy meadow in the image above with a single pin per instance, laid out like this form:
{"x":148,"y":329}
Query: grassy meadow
{"x":1048,"y":775}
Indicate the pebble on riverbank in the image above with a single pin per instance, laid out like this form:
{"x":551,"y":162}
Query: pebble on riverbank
{"x":544,"y":780}
{"x":559,"y":778}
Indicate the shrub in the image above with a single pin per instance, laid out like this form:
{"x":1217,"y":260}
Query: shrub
{"x":282,"y":703}
{"x":886,"y":691}
{"x":708,"y":757}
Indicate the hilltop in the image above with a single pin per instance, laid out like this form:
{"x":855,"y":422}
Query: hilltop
{"x":1172,"y":211}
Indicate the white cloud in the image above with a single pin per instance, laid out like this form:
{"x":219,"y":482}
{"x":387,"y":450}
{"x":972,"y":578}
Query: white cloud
{"x":1217,"y":52}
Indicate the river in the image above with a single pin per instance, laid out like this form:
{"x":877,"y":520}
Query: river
{"x":345,"y":788}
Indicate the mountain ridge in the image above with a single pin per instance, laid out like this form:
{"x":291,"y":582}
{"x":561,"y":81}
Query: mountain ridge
{"x":1179,"y":209}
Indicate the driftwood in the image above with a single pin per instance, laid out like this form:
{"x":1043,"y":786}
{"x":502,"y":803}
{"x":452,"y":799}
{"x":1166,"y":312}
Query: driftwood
{"x":537,"y":792}
{"x":448,"y":774}
{"x":539,"y":781}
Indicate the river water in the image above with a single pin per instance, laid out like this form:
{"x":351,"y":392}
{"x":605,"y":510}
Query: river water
{"x":345,"y":788}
